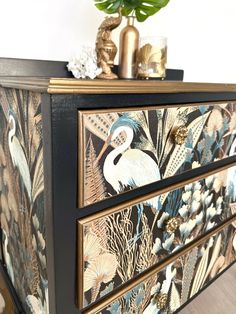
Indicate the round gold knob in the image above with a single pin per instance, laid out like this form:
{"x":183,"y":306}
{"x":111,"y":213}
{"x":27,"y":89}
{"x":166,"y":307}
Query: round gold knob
{"x":161,"y":300}
{"x":181,"y":134}
{"x":172,"y":225}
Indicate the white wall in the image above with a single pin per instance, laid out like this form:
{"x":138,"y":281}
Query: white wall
{"x":201,"y":33}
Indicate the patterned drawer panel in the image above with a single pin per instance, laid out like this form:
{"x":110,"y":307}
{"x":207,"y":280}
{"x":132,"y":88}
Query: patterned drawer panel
{"x":118,"y":244}
{"x":174,"y":285}
{"x":123,"y":150}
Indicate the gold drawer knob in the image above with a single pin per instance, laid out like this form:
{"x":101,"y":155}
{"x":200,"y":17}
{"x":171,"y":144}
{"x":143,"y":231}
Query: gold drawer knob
{"x":180,"y":134}
{"x":161,"y":300}
{"x":172,"y":225}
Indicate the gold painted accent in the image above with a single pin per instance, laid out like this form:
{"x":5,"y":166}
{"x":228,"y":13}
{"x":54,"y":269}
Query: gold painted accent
{"x":172,"y":224}
{"x":129,"y":41}
{"x":153,"y":271}
{"x":161,"y":300}
{"x":181,"y":134}
{"x":105,"y":48}
{"x":72,"y":86}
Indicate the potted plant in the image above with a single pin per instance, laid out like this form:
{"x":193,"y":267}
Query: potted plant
{"x":141,"y":9}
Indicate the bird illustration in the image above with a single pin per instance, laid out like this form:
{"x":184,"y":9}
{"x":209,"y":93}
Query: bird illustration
{"x":134,"y":167}
{"x":231,"y":177}
{"x":7,"y":257}
{"x":18,"y":156}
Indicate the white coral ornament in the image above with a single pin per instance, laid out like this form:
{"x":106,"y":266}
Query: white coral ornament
{"x":84,"y":65}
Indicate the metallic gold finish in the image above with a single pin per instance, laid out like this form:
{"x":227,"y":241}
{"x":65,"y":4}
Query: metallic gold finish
{"x":172,"y":224}
{"x":153,"y":271}
{"x":181,"y":134}
{"x":105,"y":47}
{"x":73,"y":86}
{"x":129,"y":40}
{"x":161,"y":300}
{"x":154,"y":59}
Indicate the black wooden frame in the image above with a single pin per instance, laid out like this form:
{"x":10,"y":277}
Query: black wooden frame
{"x":61,"y":163}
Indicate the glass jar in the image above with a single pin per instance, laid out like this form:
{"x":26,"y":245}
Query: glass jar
{"x":152,"y":57}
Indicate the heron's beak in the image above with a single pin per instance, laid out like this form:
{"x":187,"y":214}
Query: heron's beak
{"x":104,"y":148}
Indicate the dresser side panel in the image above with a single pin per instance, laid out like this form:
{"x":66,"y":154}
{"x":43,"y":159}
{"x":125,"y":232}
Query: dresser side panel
{"x":22,"y":197}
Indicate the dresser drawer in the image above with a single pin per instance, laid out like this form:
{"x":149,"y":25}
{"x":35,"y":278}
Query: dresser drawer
{"x":118,"y":244}
{"x":129,"y":148}
{"x":166,"y":288}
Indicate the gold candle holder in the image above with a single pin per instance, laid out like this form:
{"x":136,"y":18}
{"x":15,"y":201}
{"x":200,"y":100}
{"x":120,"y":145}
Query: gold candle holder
{"x":152,"y":57}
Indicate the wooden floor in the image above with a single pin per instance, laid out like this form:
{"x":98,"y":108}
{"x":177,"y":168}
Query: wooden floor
{"x":219,"y":298}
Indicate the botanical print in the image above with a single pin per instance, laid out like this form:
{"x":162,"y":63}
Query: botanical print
{"x":120,"y":245}
{"x":22,"y":197}
{"x":126,"y":150}
{"x":172,"y":287}
{"x":7,"y":305}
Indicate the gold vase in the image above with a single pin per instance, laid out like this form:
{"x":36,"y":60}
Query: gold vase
{"x":129,"y":41}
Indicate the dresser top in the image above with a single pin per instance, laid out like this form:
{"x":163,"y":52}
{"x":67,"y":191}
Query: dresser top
{"x":75,"y":86}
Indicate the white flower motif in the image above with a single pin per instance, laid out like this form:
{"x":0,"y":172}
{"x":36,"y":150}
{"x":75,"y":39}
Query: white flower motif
{"x":208,"y":199}
{"x":197,"y":195}
{"x":219,"y":200}
{"x":183,"y":211}
{"x":195,"y":206}
{"x":157,"y":246}
{"x":197,"y":186}
{"x":188,"y":187}
{"x":210,"y":225}
{"x":155,"y":289}
{"x":188,"y":240}
{"x":199,"y":218}
{"x":217,"y":185}
{"x":219,"y":210}
{"x":187,"y":227}
{"x":205,"y":195}
{"x":168,"y":242}
{"x":195,"y":165}
{"x":209,"y":181}
{"x":164,"y":217}
{"x":84,"y":65}
{"x":186,"y":196}
{"x":210,"y":212}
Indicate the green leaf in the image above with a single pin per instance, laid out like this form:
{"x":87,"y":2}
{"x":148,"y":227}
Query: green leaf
{"x":142,"y":8}
{"x":108,"y":6}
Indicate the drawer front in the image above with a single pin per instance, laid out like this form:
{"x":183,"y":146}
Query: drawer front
{"x":118,"y":244}
{"x":126,"y":149}
{"x":172,"y":286}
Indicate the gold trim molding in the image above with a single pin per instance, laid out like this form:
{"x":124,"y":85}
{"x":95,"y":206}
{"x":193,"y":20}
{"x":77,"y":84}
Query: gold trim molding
{"x":73,"y":86}
{"x":78,"y":86}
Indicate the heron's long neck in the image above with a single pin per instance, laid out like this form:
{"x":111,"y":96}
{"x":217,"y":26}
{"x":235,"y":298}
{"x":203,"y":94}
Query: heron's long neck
{"x":123,"y":147}
{"x":13,"y":130}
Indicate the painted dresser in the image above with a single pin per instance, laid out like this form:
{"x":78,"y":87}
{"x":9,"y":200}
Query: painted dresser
{"x":115,"y":197}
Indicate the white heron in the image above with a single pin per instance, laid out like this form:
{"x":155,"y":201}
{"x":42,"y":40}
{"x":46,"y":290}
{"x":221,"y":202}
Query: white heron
{"x":18,"y":156}
{"x":134,"y":168}
{"x":231,"y":176}
{"x":7,"y":257}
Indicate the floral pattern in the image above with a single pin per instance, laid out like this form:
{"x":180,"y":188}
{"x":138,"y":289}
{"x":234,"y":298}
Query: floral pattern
{"x":117,"y":144}
{"x":120,"y":245}
{"x":22,"y":197}
{"x":172,"y":287}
